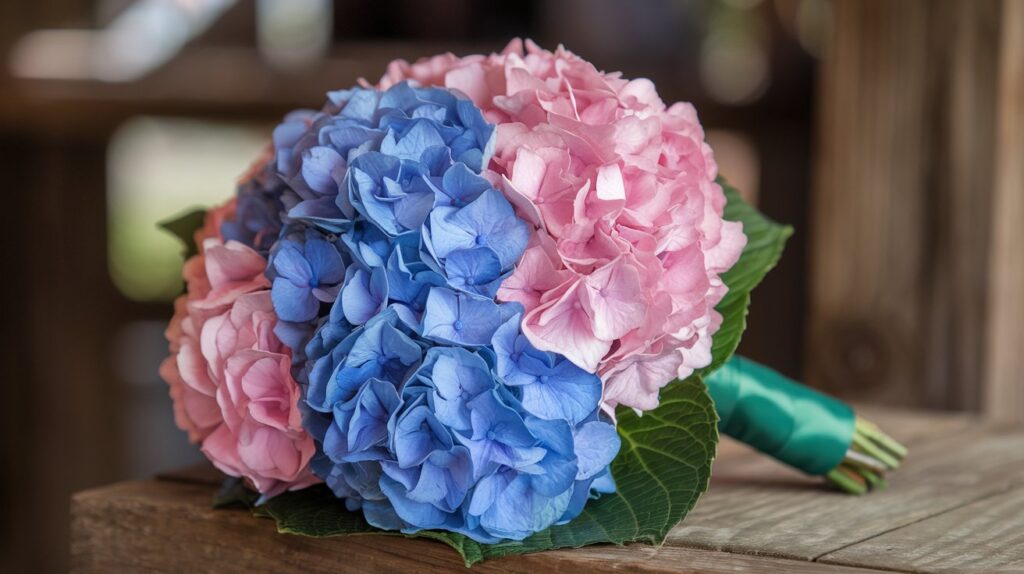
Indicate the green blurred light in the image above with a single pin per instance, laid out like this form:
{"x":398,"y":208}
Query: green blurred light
{"x":158,"y":167}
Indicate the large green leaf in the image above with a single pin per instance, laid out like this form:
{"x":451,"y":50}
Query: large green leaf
{"x":661,"y":471}
{"x":765,"y":241}
{"x":184,"y":226}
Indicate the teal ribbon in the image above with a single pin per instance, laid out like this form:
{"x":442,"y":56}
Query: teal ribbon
{"x":795,"y":424}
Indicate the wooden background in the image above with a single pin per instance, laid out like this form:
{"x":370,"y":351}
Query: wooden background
{"x":916,"y":293}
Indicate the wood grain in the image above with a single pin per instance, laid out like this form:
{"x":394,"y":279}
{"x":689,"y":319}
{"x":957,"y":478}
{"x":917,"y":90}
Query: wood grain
{"x":167,"y":526}
{"x":754,"y":506}
{"x":984,"y":536}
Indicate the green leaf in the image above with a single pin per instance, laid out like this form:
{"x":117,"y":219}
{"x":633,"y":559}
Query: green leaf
{"x":765,"y":241}
{"x":661,"y":471}
{"x":184,"y":227}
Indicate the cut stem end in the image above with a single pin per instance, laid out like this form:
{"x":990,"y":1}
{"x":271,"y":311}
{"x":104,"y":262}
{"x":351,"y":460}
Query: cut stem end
{"x":872,"y":453}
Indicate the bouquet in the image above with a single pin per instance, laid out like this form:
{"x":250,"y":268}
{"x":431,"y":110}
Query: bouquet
{"x":487,"y":300}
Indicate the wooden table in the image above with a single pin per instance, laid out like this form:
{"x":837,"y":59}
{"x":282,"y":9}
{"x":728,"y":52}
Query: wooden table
{"x":956,"y":506}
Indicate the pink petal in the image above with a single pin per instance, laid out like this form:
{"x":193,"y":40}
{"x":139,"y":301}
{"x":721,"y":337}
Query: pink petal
{"x":533,"y":276}
{"x":610,"y":185}
{"x":470,"y":80}
{"x":636,"y":382}
{"x":564,"y":327}
{"x":614,"y":300}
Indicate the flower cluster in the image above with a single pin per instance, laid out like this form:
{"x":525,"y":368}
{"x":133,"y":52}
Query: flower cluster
{"x":628,"y":240}
{"x":431,"y":409}
{"x":431,"y":294}
{"x":230,"y":376}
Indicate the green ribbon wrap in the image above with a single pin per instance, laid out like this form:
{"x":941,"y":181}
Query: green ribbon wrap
{"x":797,"y":425}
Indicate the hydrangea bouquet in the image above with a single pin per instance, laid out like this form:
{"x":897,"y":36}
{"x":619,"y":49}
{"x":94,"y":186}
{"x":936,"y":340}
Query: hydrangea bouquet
{"x":478,"y":298}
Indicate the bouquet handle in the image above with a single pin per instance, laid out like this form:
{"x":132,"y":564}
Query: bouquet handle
{"x":799,"y":426}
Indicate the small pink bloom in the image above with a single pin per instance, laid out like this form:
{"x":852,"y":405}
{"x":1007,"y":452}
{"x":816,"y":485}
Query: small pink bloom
{"x":261,"y":437}
{"x":229,"y":375}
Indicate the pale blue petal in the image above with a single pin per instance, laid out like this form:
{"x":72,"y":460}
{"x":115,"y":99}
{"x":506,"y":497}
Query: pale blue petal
{"x":596,"y":444}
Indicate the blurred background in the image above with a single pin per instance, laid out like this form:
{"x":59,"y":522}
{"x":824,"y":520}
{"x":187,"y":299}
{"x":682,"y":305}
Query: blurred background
{"x":889,"y":134}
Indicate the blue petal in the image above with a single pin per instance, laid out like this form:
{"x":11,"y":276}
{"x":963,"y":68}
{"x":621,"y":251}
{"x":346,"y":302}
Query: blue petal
{"x":459,"y":318}
{"x":324,"y":261}
{"x":417,"y":515}
{"x":323,"y":169}
{"x":376,"y":402}
{"x":345,"y":138}
{"x":518,"y":511}
{"x":292,"y":302}
{"x":412,"y":210}
{"x":418,"y":434}
{"x":290,"y":263}
{"x":566,"y":392}
{"x":473,"y":269}
{"x":485,"y":133}
{"x":460,"y":186}
{"x":381,"y":514}
{"x":458,"y":377}
{"x":487,"y":491}
{"x":322,"y":212}
{"x":410,"y":145}
{"x":364,"y":295}
{"x":401,"y":96}
{"x":361,"y":105}
{"x":596,"y":444}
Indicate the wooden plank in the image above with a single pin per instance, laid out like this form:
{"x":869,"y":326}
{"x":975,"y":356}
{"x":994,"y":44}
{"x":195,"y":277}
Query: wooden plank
{"x":755,"y":506}
{"x":1004,"y":376}
{"x":984,"y":536}
{"x":165,"y":526}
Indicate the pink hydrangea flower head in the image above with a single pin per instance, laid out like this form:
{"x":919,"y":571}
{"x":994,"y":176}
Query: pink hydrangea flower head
{"x":623,"y":272}
{"x":229,"y":375}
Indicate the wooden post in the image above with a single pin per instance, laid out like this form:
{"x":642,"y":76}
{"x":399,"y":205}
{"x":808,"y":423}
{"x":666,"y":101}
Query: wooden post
{"x":903,"y":211}
{"x":1004,"y":374}
{"x":868,"y":205}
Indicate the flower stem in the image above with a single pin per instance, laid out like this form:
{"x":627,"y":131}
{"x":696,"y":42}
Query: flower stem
{"x":872,"y":453}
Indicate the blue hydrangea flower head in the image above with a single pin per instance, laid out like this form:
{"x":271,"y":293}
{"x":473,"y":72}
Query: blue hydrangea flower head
{"x":429,"y":407}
